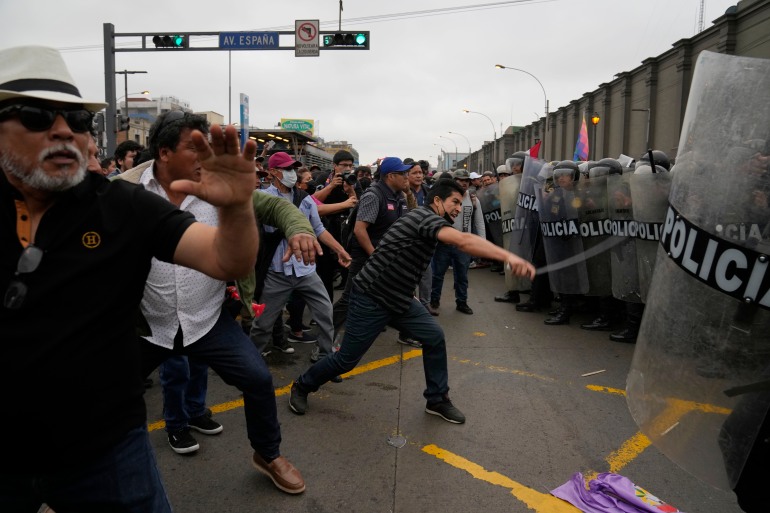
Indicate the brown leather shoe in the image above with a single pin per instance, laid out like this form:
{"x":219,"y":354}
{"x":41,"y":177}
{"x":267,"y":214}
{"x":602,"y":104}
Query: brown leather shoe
{"x":283,"y":474}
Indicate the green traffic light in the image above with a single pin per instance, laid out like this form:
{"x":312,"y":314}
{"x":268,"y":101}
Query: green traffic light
{"x":178,"y":40}
{"x":360,"y":39}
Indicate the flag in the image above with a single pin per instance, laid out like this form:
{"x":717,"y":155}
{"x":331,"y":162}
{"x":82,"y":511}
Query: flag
{"x":535,"y":150}
{"x":581,"y":147}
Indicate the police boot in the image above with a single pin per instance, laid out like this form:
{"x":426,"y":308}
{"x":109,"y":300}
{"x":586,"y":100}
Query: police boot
{"x":601,"y":323}
{"x":510,"y":296}
{"x":560,"y":317}
{"x":627,"y":335}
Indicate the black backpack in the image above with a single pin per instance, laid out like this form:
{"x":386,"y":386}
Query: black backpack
{"x":346,"y":231}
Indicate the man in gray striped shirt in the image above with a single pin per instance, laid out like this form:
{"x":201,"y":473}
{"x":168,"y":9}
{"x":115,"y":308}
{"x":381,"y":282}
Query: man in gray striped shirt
{"x":383,"y":293}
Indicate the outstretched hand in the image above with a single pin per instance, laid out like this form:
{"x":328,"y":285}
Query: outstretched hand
{"x":228,"y":176}
{"x":304,"y":247}
{"x":520,"y":267}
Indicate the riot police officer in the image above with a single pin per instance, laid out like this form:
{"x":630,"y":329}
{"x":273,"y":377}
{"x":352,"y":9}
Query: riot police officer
{"x":561,"y":238}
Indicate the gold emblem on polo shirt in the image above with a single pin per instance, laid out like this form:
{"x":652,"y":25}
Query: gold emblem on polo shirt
{"x":91,"y":240}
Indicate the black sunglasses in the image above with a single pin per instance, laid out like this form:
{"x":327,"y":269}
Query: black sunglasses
{"x":39,"y":119}
{"x":17,"y":290}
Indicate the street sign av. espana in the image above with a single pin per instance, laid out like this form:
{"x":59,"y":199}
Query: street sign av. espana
{"x":248,"y":40}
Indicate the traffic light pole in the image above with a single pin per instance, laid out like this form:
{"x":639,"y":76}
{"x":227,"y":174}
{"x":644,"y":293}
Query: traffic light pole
{"x":351,"y":40}
{"x":110,"y":121}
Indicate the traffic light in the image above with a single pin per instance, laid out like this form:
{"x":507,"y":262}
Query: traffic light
{"x":99,"y":122}
{"x":124,"y":123}
{"x":348,"y":40}
{"x":171,"y":41}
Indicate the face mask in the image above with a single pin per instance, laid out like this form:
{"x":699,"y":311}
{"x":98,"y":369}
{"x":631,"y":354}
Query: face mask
{"x":445,"y":215}
{"x":365,"y":183}
{"x":289,"y":178}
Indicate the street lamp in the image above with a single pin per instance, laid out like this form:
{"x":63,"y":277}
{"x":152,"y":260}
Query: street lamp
{"x":443,"y":153}
{"x":469,"y":147}
{"x":595,"y":120}
{"x":545,"y":97}
{"x":453,"y":142}
{"x":494,"y":132}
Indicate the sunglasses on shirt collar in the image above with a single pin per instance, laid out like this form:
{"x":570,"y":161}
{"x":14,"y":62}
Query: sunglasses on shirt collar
{"x":39,"y":119}
{"x":16,"y":293}
{"x":171,"y":117}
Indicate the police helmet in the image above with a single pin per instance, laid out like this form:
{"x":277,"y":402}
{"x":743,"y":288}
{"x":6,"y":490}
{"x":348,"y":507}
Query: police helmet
{"x":461,"y":174}
{"x":566,"y":167}
{"x":517,"y":159}
{"x":661,"y":159}
{"x":604,"y":167}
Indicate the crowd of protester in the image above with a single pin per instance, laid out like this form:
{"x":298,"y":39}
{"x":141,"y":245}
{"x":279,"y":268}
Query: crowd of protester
{"x":205,"y":245}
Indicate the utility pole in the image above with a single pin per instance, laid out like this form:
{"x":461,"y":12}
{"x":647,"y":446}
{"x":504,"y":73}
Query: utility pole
{"x":125,"y":74}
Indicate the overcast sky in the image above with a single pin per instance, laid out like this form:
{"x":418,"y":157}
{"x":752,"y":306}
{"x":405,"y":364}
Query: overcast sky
{"x":397,"y":98}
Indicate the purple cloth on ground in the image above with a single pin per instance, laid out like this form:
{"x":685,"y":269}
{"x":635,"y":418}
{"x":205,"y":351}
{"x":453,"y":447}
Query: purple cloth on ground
{"x":610,"y":493}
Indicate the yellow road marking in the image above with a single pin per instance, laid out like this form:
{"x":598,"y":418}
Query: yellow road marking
{"x":536,"y":501}
{"x":497,"y":368}
{"x":607,"y":390}
{"x":361,"y":369}
{"x":628,"y":451}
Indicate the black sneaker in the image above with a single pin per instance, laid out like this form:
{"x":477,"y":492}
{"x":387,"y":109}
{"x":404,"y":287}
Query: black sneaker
{"x":446,"y":410}
{"x":302,"y":339}
{"x":284,"y":347}
{"x":297,"y":400}
{"x":183,"y":442}
{"x":205,"y":424}
{"x":409,"y":341}
{"x":305,"y":329}
{"x":464,"y":308}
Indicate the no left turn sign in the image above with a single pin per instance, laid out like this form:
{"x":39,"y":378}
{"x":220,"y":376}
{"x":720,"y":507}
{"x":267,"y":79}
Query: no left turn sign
{"x":306,"y":38}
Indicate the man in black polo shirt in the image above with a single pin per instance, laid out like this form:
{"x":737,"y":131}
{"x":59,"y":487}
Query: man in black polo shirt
{"x":383,"y":293}
{"x":380,"y":206}
{"x":77,"y":250}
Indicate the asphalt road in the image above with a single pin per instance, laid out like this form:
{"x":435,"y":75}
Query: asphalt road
{"x":533,"y":421}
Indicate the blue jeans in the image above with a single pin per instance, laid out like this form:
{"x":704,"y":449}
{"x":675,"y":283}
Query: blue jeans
{"x":125,"y":479}
{"x":442,"y":258}
{"x":184,"y":384}
{"x":366,"y":319}
{"x":232,"y":355}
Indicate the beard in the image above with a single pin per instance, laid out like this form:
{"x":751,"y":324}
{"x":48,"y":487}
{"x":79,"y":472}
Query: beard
{"x":37,"y":178}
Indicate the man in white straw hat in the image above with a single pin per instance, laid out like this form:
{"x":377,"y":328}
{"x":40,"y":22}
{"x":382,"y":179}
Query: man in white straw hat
{"x":76,"y":252}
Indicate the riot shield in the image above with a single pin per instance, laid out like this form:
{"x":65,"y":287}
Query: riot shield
{"x":525,"y":221}
{"x":649,"y":194}
{"x":560,"y":228}
{"x":595,"y":228}
{"x":520,"y":220}
{"x":698,"y":386}
{"x":625,"y":272}
{"x":509,"y":192}
{"x":489,"y":198}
